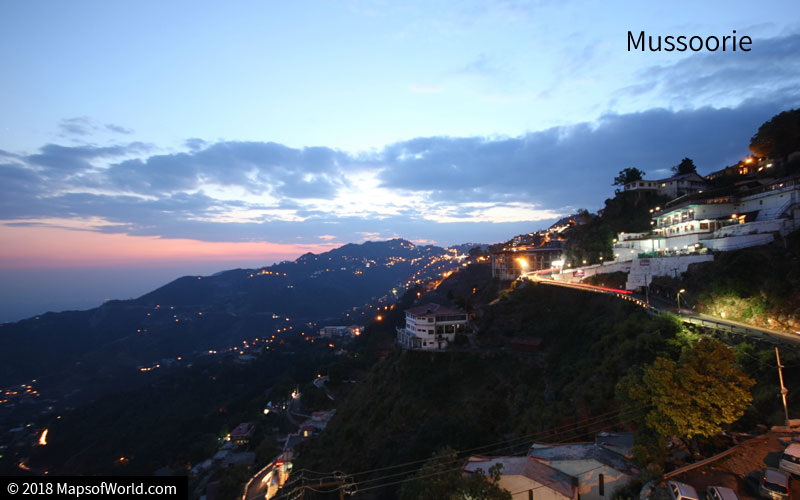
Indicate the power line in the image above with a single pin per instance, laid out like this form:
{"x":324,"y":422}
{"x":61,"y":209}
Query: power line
{"x":553,"y":432}
{"x":360,"y":487}
{"x":414,"y":478}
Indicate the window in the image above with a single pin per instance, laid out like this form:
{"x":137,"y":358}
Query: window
{"x":601,"y":486}
{"x":530,"y":494}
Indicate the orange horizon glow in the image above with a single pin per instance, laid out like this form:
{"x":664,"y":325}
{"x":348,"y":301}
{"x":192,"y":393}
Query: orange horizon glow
{"x":54,"y":247}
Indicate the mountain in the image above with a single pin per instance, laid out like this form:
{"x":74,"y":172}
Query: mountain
{"x":195,"y":314}
{"x":464,"y":248}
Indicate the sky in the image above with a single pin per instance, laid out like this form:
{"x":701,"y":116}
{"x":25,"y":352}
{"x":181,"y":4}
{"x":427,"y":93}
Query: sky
{"x":141,"y":141}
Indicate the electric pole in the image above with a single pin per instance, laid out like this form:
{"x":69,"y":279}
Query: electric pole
{"x":784,"y":391}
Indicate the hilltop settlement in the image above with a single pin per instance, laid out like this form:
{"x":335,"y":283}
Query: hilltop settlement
{"x":648,"y":350}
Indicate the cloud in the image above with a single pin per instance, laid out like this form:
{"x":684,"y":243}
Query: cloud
{"x":768,"y":72}
{"x":72,"y":159}
{"x":572,"y":165}
{"x":118,"y":129}
{"x":259,"y":167}
{"x":445,"y":189}
{"x":82,"y":126}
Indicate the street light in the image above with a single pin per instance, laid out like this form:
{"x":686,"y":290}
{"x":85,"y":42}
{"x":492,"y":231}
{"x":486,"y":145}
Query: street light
{"x":682,"y":290}
{"x":523,"y":265}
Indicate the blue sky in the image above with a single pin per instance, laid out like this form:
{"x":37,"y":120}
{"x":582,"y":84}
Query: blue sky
{"x":171,"y":137}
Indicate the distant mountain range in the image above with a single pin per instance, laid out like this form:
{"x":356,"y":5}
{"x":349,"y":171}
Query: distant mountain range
{"x":199,"y":313}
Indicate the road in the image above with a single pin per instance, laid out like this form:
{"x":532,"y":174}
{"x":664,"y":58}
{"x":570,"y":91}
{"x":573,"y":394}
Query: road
{"x":658,"y":304}
{"x":267,"y":481}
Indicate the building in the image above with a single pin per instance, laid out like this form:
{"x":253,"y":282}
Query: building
{"x":431,"y":327}
{"x":527,"y":478}
{"x":597,"y":469}
{"x":747,"y":167}
{"x":241,"y":434}
{"x":718,"y":220}
{"x":511,"y":263}
{"x":672,"y":187}
{"x":341,"y":331}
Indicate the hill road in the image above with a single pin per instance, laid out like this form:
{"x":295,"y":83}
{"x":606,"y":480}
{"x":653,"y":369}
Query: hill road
{"x":660,"y":305}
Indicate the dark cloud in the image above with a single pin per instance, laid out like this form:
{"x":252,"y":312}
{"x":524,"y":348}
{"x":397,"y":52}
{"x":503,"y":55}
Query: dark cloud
{"x":769,"y":71}
{"x":559,"y":169}
{"x":574,"y":165}
{"x":256,"y":166}
{"x":194,"y":144}
{"x":80,"y":126}
{"x":118,"y":129}
{"x":79,"y":158}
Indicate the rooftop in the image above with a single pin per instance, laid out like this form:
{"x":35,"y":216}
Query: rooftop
{"x":583,"y":451}
{"x":241,"y":430}
{"x":618,"y":442}
{"x":527,"y":467}
{"x":431,"y":308}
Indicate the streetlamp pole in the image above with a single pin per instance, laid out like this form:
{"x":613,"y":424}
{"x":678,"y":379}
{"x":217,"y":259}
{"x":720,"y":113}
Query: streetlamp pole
{"x":682,"y":290}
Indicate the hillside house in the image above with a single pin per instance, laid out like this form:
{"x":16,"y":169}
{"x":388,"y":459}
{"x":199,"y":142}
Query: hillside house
{"x":431,"y":327}
{"x":510,"y":264}
{"x":241,"y":434}
{"x":346,"y":332}
{"x":674,"y":187}
{"x":747,"y":167}
{"x":527,"y":478}
{"x":718,"y":220}
{"x":597,"y":469}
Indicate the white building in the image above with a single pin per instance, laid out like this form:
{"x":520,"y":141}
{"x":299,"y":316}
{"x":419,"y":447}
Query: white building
{"x":718,"y":221}
{"x":596,"y":469}
{"x":673,"y":187}
{"x":527,"y":478}
{"x":341,"y":331}
{"x":431,"y":327}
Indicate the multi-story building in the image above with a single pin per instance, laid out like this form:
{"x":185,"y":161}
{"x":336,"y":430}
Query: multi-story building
{"x":673,"y":187}
{"x":511,"y":263}
{"x":431,"y":327}
{"x":719,"y":220}
{"x":341,"y":331}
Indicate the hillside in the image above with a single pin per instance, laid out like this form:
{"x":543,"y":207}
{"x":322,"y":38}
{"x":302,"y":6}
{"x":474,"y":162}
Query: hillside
{"x":758,"y":285}
{"x":195,"y":314}
{"x":311,"y":287}
{"x":413,"y":403}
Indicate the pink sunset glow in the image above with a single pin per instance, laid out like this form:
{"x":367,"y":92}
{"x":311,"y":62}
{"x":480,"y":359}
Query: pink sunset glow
{"x":55,"y":247}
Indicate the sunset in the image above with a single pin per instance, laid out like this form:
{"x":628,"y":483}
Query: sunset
{"x":505,"y":249}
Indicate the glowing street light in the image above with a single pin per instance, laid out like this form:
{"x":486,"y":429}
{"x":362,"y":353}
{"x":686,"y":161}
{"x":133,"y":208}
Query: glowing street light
{"x":682,"y":290}
{"x":523,"y":265}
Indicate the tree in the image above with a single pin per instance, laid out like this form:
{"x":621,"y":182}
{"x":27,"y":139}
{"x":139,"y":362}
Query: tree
{"x":686,"y":166}
{"x":475,"y":252}
{"x":779,"y":136}
{"x":627,"y":175}
{"x":692,"y":397}
{"x":441,"y":478}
